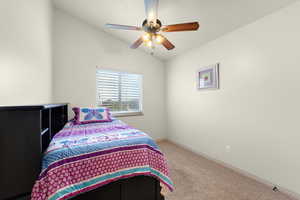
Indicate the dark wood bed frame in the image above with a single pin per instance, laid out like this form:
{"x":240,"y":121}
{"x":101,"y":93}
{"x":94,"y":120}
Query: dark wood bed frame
{"x":26,"y":131}
{"x":137,"y":188}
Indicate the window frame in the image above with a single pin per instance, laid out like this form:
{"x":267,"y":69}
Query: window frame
{"x":122,"y":113}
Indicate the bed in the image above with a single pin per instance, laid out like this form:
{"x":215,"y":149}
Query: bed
{"x":108,"y":160}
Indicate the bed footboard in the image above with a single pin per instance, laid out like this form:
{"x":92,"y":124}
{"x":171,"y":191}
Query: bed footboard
{"x":136,"y":188}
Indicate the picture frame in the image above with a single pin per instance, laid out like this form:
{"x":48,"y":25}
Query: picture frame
{"x":208,"y":77}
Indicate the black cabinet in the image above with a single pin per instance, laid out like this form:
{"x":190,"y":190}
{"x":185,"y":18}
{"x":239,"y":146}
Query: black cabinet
{"x":25,"y":133}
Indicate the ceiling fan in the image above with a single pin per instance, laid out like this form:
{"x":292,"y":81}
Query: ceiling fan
{"x":152,"y":26}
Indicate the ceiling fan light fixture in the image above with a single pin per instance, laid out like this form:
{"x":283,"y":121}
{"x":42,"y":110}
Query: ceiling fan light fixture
{"x":149,"y":44}
{"x":146,"y":37}
{"x":159,"y":39}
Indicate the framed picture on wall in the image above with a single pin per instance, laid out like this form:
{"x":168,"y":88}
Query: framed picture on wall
{"x":208,"y":77}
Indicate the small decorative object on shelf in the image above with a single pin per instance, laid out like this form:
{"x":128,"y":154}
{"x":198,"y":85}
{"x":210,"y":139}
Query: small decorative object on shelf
{"x":208,"y":77}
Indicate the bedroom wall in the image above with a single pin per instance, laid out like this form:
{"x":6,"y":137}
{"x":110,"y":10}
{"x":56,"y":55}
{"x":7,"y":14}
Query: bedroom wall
{"x":256,"y":111}
{"x":25,"y":52}
{"x":78,"y":48}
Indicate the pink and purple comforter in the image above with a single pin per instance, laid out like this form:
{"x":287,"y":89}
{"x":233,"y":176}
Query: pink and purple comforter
{"x":84,"y":157}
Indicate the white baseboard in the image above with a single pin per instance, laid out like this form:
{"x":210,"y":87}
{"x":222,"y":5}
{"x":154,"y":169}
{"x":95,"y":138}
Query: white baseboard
{"x":240,"y":171}
{"x":160,"y":140}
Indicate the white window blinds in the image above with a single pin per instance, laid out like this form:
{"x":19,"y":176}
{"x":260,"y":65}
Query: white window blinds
{"x":119,"y":91}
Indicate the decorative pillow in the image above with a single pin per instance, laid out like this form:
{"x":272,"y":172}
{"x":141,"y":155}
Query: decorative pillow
{"x":91,"y":115}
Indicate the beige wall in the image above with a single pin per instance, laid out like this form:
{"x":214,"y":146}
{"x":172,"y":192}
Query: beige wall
{"x":78,"y":48}
{"x":25,"y":52}
{"x":256,"y":111}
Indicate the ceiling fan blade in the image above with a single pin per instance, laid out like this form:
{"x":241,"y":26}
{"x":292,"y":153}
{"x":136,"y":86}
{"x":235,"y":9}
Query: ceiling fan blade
{"x":193,"y":26}
{"x":166,"y":43}
{"x":137,"y":43}
{"x":123,"y":27}
{"x":151,"y":7}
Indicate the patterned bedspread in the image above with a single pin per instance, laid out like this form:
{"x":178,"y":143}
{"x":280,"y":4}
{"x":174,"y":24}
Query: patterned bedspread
{"x":84,"y":157}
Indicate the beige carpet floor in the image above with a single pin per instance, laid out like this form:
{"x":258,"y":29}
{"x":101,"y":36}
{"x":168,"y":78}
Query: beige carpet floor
{"x":197,"y":178}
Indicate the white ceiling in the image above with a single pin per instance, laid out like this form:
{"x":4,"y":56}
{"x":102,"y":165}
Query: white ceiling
{"x":216,"y":17}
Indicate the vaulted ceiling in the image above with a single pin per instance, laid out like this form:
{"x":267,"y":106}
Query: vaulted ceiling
{"x":216,"y":17}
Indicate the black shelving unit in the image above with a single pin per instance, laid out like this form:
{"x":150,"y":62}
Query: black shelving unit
{"x":25,"y":133}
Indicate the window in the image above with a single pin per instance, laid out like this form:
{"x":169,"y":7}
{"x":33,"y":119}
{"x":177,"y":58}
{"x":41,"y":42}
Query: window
{"x":119,"y":91}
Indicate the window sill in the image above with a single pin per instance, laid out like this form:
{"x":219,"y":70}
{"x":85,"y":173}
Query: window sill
{"x":127,"y":114}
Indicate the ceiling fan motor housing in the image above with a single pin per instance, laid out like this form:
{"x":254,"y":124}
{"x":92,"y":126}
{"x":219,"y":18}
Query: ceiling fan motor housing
{"x":151,"y":27}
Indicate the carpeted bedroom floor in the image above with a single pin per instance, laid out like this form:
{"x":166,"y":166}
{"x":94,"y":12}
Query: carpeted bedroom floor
{"x":197,"y":178}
